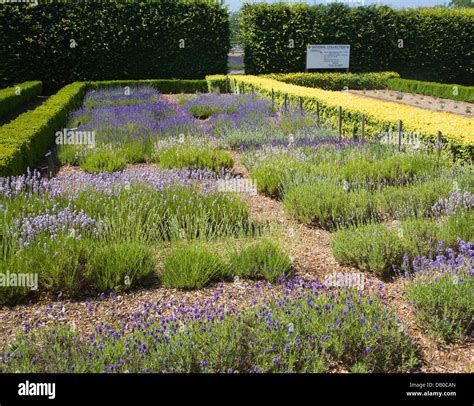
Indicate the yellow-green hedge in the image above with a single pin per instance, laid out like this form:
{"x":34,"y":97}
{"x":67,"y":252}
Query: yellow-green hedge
{"x":457,"y":131}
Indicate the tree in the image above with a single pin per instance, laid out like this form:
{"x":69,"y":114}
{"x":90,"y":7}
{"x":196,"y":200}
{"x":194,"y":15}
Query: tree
{"x":462,"y":3}
{"x":234,"y":28}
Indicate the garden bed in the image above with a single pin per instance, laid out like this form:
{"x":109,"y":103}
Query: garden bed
{"x":157,"y":226}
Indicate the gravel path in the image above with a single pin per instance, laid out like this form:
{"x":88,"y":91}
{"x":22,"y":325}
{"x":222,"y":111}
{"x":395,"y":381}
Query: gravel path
{"x":421,"y":101}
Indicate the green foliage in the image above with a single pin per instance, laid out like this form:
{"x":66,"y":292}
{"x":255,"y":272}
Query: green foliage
{"x":411,"y":201}
{"x":337,"y":81}
{"x":371,"y":247}
{"x":264,"y":260}
{"x":130,"y":40}
{"x":274,"y":176}
{"x":234,"y":28}
{"x":395,"y":170}
{"x":445,"y":91}
{"x":120,"y":266}
{"x":192,"y":267}
{"x":103,"y":160}
{"x":444,"y":303}
{"x":218,"y":83}
{"x":191,"y":156}
{"x":378,"y":248}
{"x":461,"y":3}
{"x":308,"y":333}
{"x":328,"y":206}
{"x":433,"y":38}
{"x":203,"y":112}
{"x":59,"y":265}
{"x":24,"y":141}
{"x":10,"y":100}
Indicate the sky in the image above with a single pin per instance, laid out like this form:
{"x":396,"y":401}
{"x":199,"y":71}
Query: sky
{"x":235,"y":4}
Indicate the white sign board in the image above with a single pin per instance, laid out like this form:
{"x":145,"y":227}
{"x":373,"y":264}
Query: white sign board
{"x":328,"y":56}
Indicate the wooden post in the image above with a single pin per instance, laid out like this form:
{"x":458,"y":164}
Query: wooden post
{"x":227,"y":85}
{"x":235,"y":85}
{"x":400,"y":127}
{"x":340,"y":121}
{"x":362,"y":128}
{"x":317,"y":113}
{"x":284,"y":102}
{"x":243,"y":88}
{"x":273,"y":99}
{"x":301,"y":106}
{"x":439,"y":144}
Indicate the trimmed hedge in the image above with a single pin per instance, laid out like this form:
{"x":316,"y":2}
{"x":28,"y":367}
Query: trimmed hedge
{"x":337,"y":80}
{"x":119,"y":39}
{"x":24,"y":140}
{"x":163,"y":85}
{"x":437,"y":42}
{"x":445,"y":91}
{"x":380,"y":116}
{"x":10,"y":101}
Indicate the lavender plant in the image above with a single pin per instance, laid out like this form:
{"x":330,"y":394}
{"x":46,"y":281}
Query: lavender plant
{"x":300,"y":329}
{"x":440,"y":290}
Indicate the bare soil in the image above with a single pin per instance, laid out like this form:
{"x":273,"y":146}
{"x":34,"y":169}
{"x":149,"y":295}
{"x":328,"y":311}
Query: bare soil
{"x":421,"y":101}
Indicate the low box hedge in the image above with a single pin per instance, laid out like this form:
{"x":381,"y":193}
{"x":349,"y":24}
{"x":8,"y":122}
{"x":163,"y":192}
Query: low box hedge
{"x":445,"y":91}
{"x":13,"y":97}
{"x":337,"y":80}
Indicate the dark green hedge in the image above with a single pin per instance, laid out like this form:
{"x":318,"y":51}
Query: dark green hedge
{"x":337,"y":81}
{"x":10,"y":100}
{"x":445,"y":91}
{"x":437,"y":42}
{"x":163,"y":85}
{"x":115,"y":40}
{"x":24,"y":140}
